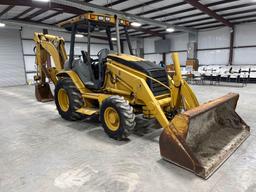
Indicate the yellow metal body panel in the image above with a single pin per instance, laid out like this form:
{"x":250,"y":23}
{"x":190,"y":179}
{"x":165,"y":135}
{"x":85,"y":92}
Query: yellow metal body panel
{"x":76,"y":80}
{"x":127,"y":57}
{"x":88,"y":111}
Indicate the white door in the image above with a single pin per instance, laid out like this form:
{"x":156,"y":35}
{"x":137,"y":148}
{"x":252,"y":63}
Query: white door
{"x":12,"y":70}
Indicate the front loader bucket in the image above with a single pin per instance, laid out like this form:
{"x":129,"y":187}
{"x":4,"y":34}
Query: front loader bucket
{"x":201,"y":139}
{"x":43,"y":92}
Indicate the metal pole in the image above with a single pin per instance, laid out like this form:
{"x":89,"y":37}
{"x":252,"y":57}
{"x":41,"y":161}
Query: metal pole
{"x":72,"y":45}
{"x":164,"y":54}
{"x":128,"y":40}
{"x":231,"y":46}
{"x":118,"y":36}
{"x":122,"y":46}
{"x":89,"y":39}
{"x":108,"y":31}
{"x":89,"y":50}
{"x":164,"y":58}
{"x":23,"y":56}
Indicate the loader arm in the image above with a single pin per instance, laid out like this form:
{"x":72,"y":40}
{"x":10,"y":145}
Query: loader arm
{"x":142,"y":92}
{"x":181,"y":92}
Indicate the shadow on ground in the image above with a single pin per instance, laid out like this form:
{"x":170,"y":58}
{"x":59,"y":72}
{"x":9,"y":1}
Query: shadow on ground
{"x":148,"y":129}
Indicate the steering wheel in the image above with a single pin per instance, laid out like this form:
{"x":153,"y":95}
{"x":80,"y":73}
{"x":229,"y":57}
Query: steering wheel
{"x":102,"y":54}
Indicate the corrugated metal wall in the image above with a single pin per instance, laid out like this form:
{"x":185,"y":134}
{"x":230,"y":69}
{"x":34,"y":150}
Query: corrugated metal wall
{"x":11,"y":58}
{"x":213,"y":46}
{"x":214,"y":39}
{"x":245,"y":36}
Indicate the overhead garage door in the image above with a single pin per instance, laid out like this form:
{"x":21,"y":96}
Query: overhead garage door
{"x":12,"y":70}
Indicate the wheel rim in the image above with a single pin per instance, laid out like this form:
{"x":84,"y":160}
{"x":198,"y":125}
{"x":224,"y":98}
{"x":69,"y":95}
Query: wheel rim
{"x":112,"y":119}
{"x":63,"y":100}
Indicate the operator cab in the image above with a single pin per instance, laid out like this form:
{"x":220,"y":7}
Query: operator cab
{"x":92,"y":70}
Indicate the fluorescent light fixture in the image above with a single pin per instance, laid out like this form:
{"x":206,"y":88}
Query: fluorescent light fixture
{"x":113,"y":39}
{"x":79,"y":36}
{"x":170,"y":30}
{"x":45,"y":1}
{"x":2,"y":24}
{"x":135,"y":24}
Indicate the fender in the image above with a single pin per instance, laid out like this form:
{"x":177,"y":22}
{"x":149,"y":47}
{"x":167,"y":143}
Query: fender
{"x":76,"y":80}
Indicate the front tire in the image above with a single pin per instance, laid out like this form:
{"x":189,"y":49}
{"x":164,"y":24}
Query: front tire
{"x":117,"y":117}
{"x":68,"y":99}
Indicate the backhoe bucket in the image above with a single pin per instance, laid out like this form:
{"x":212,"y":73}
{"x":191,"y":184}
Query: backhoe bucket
{"x":43,"y":92}
{"x":201,"y":139}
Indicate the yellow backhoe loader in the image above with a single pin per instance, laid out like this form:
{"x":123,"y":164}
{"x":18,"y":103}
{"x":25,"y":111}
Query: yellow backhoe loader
{"x":118,"y":86}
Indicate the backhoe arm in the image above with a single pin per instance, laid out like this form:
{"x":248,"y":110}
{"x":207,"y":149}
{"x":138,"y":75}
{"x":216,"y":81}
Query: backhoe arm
{"x":46,"y":46}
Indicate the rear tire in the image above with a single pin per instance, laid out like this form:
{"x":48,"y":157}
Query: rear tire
{"x":117,"y":117}
{"x":68,"y":99}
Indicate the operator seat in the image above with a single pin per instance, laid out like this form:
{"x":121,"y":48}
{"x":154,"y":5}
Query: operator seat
{"x":87,"y":74}
{"x":84,"y":70}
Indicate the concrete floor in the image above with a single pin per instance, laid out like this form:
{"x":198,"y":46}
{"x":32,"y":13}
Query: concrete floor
{"x":41,"y":152}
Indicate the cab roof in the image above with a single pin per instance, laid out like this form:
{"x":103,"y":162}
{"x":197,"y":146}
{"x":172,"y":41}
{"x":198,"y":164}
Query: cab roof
{"x":96,"y":20}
